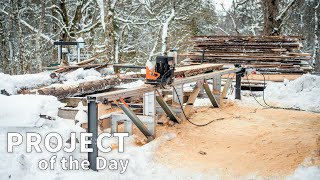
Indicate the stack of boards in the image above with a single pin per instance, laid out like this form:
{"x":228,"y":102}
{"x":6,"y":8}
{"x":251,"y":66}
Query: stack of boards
{"x":267,"y":54}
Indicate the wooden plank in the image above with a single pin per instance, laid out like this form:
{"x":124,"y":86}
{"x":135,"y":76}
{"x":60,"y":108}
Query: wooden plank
{"x":271,"y":77}
{"x":187,"y":71}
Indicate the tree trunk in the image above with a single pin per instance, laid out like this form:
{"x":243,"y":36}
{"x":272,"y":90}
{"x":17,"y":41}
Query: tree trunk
{"x":270,"y":12}
{"x":316,"y":53}
{"x":4,"y":45}
{"x":165,"y":30}
{"x":38,"y":63}
{"x":64,"y":18}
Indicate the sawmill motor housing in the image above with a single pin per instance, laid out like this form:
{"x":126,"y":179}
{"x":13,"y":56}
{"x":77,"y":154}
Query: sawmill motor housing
{"x":163,"y":73}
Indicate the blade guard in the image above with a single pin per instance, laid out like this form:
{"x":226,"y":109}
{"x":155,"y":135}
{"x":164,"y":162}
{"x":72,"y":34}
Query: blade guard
{"x":151,"y":75}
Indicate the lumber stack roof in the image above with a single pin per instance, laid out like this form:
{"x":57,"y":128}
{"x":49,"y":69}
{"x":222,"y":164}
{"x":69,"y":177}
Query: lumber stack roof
{"x":268,"y":54}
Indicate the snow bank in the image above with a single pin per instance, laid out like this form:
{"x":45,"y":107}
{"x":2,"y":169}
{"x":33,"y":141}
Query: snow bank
{"x":302,"y":172}
{"x":25,"y":110}
{"x":12,"y":84}
{"x":301,"y":93}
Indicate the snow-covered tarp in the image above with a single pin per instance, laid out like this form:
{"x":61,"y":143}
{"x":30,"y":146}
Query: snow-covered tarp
{"x":302,"y":93}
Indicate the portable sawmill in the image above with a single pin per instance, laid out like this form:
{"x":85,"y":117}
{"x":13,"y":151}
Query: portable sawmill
{"x":162,"y":72}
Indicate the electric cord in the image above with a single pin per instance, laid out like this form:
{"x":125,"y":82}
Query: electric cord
{"x":274,"y":107}
{"x":161,"y":82}
{"x":263,"y":97}
{"x":252,"y":92}
{"x":200,"y":125}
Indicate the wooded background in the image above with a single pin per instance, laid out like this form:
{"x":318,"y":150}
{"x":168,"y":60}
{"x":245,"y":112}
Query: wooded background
{"x":136,"y":30}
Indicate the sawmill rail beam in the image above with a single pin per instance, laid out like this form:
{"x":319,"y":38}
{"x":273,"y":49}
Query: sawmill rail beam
{"x":138,"y":91}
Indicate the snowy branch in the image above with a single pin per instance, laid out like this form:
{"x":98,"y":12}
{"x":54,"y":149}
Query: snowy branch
{"x":285,"y":11}
{"x":165,"y":31}
{"x":30,"y":27}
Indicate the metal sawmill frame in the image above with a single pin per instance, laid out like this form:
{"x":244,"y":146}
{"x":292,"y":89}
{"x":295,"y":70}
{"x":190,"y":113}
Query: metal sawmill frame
{"x":151,"y":99}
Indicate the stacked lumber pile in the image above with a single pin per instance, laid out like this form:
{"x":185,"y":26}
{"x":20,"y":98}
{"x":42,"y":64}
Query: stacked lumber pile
{"x":267,"y":54}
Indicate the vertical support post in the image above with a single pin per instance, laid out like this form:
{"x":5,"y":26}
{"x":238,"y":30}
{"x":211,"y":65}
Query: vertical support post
{"x":59,"y":53}
{"x":93,"y":128}
{"x":238,"y":85}
{"x":216,"y":90}
{"x":203,"y":51}
{"x":178,"y":98}
{"x":149,"y":109}
{"x":179,"y":89}
{"x":78,"y":48}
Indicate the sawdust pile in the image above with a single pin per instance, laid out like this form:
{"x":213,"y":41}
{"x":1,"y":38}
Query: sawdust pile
{"x":249,"y":141}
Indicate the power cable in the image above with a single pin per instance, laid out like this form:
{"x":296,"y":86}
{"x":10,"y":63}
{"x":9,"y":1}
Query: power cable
{"x":200,"y":125}
{"x":263,"y":97}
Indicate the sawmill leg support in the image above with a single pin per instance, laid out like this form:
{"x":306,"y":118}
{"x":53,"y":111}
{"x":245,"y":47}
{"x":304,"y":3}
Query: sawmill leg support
{"x":191,"y":100}
{"x":167,"y":109}
{"x":213,"y":100}
{"x":226,"y":88}
{"x":199,"y":84}
{"x":238,"y":85}
{"x":134,"y":118}
{"x":93,"y":128}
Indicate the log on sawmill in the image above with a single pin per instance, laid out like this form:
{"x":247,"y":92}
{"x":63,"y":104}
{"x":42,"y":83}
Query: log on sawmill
{"x":64,"y":90}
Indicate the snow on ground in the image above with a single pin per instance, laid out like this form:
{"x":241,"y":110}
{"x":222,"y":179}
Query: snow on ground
{"x":22,"y":165}
{"x":303,"y":172}
{"x":20,"y":113}
{"x":301,"y":93}
{"x":25,"y":110}
{"x":14,"y":83}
